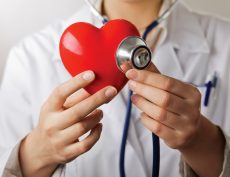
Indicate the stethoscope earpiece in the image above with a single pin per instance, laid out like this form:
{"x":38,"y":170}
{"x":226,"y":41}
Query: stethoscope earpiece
{"x":133,"y":52}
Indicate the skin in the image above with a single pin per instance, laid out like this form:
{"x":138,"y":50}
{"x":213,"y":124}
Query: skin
{"x":174,"y":115}
{"x":128,"y":9}
{"x":168,"y":111}
{"x":68,"y":113}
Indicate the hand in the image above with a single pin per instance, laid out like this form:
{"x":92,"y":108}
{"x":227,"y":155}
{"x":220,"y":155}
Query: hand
{"x":69,"y":113}
{"x":171,"y":108}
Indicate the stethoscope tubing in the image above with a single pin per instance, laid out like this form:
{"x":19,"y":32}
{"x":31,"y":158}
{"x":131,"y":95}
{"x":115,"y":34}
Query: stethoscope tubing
{"x":155,"y":143}
{"x":125,"y":136}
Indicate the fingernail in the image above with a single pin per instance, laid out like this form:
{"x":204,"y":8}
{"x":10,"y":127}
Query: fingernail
{"x":110,"y":92}
{"x":132,"y":84}
{"x":88,"y":76}
{"x":134,"y":98}
{"x":131,"y":74}
{"x":101,"y":114}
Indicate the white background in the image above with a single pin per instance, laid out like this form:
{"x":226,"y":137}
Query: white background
{"x":19,"y":18}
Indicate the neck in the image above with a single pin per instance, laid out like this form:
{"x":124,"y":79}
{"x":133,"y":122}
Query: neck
{"x":139,"y":12}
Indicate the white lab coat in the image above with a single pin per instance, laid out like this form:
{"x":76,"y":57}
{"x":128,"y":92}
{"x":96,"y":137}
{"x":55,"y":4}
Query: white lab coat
{"x":195,"y":47}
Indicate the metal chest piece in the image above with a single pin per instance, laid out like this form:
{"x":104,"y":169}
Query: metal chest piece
{"x":133,"y":53}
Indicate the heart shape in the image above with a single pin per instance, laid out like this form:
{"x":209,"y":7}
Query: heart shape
{"x":85,"y":47}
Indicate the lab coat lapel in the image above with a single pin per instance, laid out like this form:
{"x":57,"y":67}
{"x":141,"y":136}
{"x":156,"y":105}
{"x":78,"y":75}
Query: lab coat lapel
{"x":185,"y":50}
{"x":167,"y":62}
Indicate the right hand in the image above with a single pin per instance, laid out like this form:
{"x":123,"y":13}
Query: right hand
{"x":63,"y":119}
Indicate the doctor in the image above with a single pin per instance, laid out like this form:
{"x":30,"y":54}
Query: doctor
{"x":44,"y":112}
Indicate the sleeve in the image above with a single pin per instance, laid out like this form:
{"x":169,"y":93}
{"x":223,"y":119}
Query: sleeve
{"x":187,"y":171}
{"x":16,"y":119}
{"x":15,"y":116}
{"x":12,"y":168}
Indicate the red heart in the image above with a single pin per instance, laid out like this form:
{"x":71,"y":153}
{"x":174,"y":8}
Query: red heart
{"x":85,"y":47}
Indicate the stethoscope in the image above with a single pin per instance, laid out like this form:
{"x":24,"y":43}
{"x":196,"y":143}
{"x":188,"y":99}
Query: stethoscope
{"x":133,"y":52}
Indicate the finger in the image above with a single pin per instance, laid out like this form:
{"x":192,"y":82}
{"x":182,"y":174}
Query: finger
{"x":126,"y":66}
{"x":161,"y":98}
{"x":168,"y":84}
{"x":85,"y":145}
{"x":83,"y":108}
{"x":169,"y":119}
{"x":152,"y":68}
{"x":60,"y":94}
{"x":76,"y":98}
{"x":167,"y":134}
{"x":70,"y":134}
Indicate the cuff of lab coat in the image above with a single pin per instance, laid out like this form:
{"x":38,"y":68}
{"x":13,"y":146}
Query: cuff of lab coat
{"x":60,"y":171}
{"x":13,"y":169}
{"x":226,"y":166}
{"x":186,"y":170}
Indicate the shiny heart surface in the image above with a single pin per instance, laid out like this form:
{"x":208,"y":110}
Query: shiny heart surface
{"x":85,"y":47}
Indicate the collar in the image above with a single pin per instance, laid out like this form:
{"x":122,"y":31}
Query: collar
{"x":182,"y":29}
{"x":161,"y":27}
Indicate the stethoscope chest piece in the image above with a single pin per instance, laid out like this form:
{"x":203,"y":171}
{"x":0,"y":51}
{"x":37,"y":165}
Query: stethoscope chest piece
{"x":133,"y":52}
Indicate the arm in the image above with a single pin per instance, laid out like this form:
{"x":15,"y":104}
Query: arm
{"x":207,"y":150}
{"x":171,"y":110}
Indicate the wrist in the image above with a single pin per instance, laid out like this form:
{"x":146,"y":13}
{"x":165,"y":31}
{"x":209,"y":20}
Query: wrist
{"x":207,"y":134}
{"x":206,"y":147}
{"x":33,"y":164}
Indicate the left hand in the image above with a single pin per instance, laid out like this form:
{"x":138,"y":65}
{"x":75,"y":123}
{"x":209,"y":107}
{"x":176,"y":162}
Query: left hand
{"x":171,"y":108}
